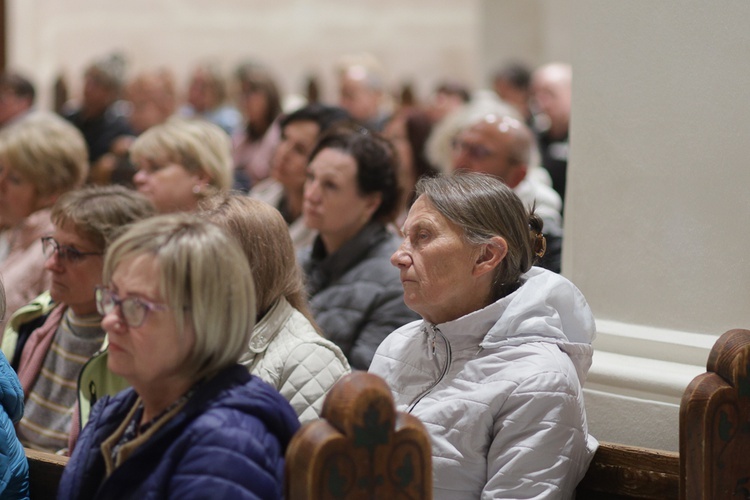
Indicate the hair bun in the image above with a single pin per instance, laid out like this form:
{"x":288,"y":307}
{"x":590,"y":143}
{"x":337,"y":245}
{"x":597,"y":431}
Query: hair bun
{"x":538,"y":241}
{"x":539,"y":245}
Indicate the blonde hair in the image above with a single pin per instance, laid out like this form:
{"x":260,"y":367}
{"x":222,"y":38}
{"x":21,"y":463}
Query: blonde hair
{"x":47,"y":151}
{"x":264,"y":237}
{"x":197,"y":145}
{"x":203,"y":272}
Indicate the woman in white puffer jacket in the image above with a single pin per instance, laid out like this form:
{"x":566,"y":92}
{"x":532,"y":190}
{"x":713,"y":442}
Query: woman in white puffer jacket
{"x":286,"y":349}
{"x":495,"y":369}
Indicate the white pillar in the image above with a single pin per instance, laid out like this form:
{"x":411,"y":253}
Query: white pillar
{"x":656,"y":231}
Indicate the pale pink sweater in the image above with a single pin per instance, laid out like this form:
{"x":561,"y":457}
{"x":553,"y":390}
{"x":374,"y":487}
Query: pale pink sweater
{"x":22,"y":271}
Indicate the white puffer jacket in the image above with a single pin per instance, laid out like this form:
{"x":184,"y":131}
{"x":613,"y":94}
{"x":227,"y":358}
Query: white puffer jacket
{"x":287,"y":352}
{"x":500,"y":391}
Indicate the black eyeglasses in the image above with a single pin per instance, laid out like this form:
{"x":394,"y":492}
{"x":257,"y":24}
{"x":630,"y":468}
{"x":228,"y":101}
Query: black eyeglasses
{"x":64,"y":252}
{"x":132,"y":309}
{"x":474,"y":151}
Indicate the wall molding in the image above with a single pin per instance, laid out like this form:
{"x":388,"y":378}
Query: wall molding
{"x":645,"y":362}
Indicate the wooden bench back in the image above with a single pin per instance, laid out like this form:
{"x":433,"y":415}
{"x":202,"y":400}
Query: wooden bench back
{"x":715,"y":424}
{"x":361,"y":448}
{"x":45,"y":471}
{"x":619,"y":472}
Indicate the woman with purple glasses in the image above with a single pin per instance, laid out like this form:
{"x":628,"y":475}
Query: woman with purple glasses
{"x":179,"y":307}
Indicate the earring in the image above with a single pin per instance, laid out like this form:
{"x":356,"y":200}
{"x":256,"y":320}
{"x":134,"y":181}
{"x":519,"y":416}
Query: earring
{"x":197,"y":189}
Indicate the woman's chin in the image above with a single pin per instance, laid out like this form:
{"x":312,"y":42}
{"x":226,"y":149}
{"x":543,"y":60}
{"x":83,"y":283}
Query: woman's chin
{"x":311,"y":220}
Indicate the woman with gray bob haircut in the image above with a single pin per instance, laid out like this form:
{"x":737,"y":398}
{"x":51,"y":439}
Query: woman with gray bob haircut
{"x":178,"y":310}
{"x":496,"y":366}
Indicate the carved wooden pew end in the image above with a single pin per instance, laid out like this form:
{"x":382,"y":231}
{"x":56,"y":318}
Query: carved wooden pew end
{"x":361,"y":448}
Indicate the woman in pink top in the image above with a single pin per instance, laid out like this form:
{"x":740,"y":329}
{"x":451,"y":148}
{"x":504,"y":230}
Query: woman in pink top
{"x":41,"y":157}
{"x":259,"y":101}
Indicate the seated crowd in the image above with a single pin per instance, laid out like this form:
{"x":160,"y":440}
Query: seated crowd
{"x":172,"y":323}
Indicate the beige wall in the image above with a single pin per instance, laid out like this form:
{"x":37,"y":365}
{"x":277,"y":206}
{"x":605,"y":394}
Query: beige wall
{"x":534,"y":31}
{"x":657,"y":207}
{"x":419,"y":40}
{"x":656,"y":204}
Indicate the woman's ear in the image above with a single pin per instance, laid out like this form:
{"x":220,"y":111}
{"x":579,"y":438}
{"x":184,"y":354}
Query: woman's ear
{"x":490,"y":256}
{"x":203,"y":176}
{"x":202,"y":180}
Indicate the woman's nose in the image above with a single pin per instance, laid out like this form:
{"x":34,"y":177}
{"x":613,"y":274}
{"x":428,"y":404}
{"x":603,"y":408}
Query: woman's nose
{"x":400,"y":258}
{"x":282,"y":151}
{"x":112,"y":323}
{"x":279,"y":157}
{"x":53,"y":263}
{"x":311,"y":190}
{"x":139,"y":178}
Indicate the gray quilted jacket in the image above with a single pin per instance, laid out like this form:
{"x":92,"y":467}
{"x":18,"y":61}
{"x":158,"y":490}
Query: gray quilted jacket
{"x":356,"y":294}
{"x":287,"y":352}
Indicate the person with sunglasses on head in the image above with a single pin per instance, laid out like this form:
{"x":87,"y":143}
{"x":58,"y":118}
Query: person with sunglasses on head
{"x":51,"y":339}
{"x":179,"y":307}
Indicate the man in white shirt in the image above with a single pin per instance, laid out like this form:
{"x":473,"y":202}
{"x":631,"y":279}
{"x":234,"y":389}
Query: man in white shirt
{"x":503,"y":146}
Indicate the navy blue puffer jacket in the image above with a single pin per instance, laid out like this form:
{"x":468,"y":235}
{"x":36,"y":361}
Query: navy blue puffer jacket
{"x":228,"y":441}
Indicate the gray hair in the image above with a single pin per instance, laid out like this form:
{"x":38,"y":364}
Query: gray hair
{"x":100,"y":213}
{"x":484,"y":207}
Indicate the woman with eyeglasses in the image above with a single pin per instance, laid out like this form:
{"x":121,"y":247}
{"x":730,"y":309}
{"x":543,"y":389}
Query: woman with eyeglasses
{"x":41,"y":157}
{"x":179,"y":307}
{"x":51,"y":339}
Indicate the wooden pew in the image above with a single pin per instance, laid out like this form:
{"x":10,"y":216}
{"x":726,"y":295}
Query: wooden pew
{"x":363,"y":447}
{"x":619,"y":472}
{"x":360,"y":448}
{"x":715,"y":424}
{"x":714,"y":458}
{"x":45,"y":471}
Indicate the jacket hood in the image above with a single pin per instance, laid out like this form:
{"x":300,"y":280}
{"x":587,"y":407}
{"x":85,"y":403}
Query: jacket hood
{"x":546,"y":308}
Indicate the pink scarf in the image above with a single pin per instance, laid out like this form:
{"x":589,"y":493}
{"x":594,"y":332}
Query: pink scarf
{"x":36,"y":349}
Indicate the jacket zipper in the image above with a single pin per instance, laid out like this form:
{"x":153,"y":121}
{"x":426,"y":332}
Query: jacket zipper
{"x":435,"y":331}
